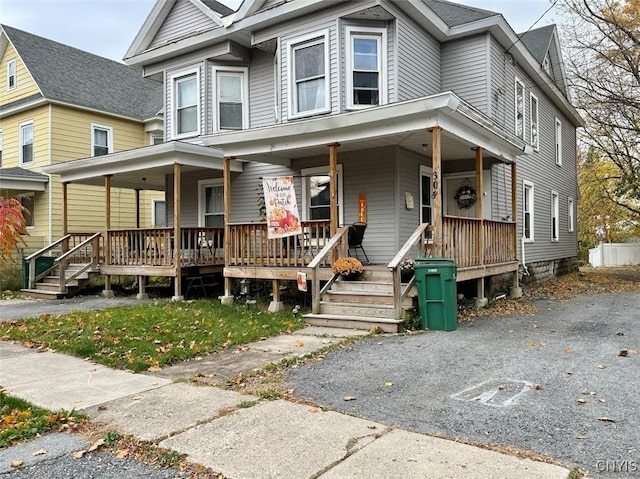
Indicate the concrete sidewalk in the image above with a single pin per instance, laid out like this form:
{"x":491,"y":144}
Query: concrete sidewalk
{"x":238,"y":435}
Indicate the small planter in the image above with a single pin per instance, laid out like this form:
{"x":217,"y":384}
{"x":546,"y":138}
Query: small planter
{"x":405,"y":276}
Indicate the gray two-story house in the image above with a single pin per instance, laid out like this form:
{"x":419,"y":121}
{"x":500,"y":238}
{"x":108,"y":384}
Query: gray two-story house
{"x":434,"y":123}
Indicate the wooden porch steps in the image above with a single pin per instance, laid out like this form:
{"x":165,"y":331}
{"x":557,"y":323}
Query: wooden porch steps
{"x":364,"y":303}
{"x":48,"y":287}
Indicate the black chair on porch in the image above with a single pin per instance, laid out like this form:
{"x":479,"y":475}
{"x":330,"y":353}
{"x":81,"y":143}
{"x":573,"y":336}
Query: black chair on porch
{"x":355,"y":237}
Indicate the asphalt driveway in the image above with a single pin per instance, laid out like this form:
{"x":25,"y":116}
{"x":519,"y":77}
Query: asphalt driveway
{"x":557,"y":382}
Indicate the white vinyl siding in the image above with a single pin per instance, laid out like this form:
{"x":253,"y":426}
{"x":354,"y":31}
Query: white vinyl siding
{"x":527,"y":210}
{"x":184,"y":18}
{"x":185,"y":104}
{"x":366,"y":67}
{"x":555,"y":213}
{"x":464,"y":70}
{"x":101,"y":140}
{"x":11,"y":75}
{"x":26,"y":143}
{"x":309,"y":86}
{"x":519,"y":109}
{"x":230,"y":87}
{"x":534,"y":122}
{"x":558,"y":138}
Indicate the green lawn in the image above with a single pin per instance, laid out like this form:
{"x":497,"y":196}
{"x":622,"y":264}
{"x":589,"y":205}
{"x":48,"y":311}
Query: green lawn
{"x":148,"y":337}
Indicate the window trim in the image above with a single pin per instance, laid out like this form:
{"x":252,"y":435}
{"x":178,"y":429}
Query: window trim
{"x":380,"y":34}
{"x":153,"y":138}
{"x":30,"y":218}
{"x":12,"y":63}
{"x":536,"y":143}
{"x":555,"y":216}
{"x":109,"y":130}
{"x":531,"y":187}
{"x":304,"y":41}
{"x":154,"y":203}
{"x":174,"y":79}
{"x":558,"y":141}
{"x":21,"y":126}
{"x":571,"y":222}
{"x":319,"y":170}
{"x":202,"y":186}
{"x":519,"y":83}
{"x":243,"y":73}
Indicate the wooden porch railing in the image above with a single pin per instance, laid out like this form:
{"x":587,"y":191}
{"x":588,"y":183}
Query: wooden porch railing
{"x":250,"y":246}
{"x":87,"y":251}
{"x":339,"y":243}
{"x":156,"y":247}
{"x":477,"y":242}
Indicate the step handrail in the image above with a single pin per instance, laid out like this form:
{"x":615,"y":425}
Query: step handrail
{"x":338,"y":239}
{"x":47,"y":248}
{"x":62,"y":260}
{"x":418,"y":237}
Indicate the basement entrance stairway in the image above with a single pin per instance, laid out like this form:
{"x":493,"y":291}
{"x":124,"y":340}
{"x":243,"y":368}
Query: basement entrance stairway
{"x":364,"y":303}
{"x":77,"y":276}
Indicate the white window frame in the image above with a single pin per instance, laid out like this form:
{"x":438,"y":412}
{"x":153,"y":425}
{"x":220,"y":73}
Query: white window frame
{"x":571,"y":221}
{"x":546,"y":64}
{"x":174,"y":79}
{"x":30,"y":218}
{"x":109,"y":130}
{"x":21,"y":146}
{"x":241,"y":72}
{"x":202,"y":188}
{"x":12,"y":74}
{"x":534,"y":121}
{"x":380,"y":35}
{"x":555,"y":216}
{"x":528,"y":199}
{"x":154,"y":205}
{"x":153,"y":138}
{"x":558,"y":138}
{"x":519,"y":121}
{"x":306,"y":199}
{"x":301,"y":42}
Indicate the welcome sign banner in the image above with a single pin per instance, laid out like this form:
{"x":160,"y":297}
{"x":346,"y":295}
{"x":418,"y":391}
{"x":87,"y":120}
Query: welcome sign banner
{"x":282,"y":209}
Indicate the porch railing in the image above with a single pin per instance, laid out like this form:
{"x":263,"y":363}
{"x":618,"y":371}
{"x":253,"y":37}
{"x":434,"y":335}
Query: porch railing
{"x":250,"y":246}
{"x":477,"y":242}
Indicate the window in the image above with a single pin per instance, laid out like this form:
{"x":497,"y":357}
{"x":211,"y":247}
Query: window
{"x":546,"y":64}
{"x":157,"y":140}
{"x":425,"y":194}
{"x":309,"y":75}
{"x":527,"y":210}
{"x":11,"y":74}
{"x":0,"y":148}
{"x":26,"y":143}
{"x":158,"y":213}
{"x":570,"y":215}
{"x":519,"y":127}
{"x":366,"y":61}
{"x":316,"y":194}
{"x":28,"y":200}
{"x":558,"y":142}
{"x":211,"y":203}
{"x":230,"y":105}
{"x":185,"y":101}
{"x":533,"y":120}
{"x":555,"y":233}
{"x":101,"y":140}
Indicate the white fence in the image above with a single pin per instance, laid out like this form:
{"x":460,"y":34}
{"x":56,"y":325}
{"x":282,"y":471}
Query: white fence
{"x":615,"y":254}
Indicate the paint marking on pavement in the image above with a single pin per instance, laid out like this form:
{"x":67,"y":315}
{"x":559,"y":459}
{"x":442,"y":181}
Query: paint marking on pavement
{"x":495,"y":392}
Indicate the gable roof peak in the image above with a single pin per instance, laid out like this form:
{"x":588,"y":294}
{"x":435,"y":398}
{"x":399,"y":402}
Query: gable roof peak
{"x":455,"y":14}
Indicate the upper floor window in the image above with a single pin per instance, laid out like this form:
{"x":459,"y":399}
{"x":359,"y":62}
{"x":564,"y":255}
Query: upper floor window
{"x":101,"y":140}
{"x":0,"y":148}
{"x":366,"y":61}
{"x":558,"y":142}
{"x":527,"y":210}
{"x":231,"y":92}
{"x":519,"y":109}
{"x":26,"y":142}
{"x":11,"y":74}
{"x":555,"y":217}
{"x":309,"y":75}
{"x":546,"y":64}
{"x":316,"y":198}
{"x":534,"y":122}
{"x":185,"y":96}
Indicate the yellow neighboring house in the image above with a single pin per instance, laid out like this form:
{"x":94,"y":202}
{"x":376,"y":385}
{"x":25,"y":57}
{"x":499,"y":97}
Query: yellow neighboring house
{"x":57,"y":104}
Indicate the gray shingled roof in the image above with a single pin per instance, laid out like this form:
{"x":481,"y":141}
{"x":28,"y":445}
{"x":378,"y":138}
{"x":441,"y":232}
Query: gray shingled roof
{"x":454,"y":14}
{"x":73,"y":76}
{"x":23,"y":174}
{"x":537,"y":41}
{"x":218,"y":7}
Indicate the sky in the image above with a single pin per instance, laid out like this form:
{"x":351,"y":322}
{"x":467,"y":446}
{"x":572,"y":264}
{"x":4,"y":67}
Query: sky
{"x":108,"y":27}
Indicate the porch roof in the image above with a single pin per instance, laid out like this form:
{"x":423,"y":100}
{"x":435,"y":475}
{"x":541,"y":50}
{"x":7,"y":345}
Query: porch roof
{"x":404,"y":124}
{"x":141,"y":168}
{"x":21,"y":179}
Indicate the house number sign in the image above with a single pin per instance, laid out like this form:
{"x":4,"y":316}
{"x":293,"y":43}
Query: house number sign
{"x":435,"y":184}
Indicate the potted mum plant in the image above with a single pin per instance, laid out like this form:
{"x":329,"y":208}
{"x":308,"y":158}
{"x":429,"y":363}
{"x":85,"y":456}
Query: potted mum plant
{"x":347,"y":267}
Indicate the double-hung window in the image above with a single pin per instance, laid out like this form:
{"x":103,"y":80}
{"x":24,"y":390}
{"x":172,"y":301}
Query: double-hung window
{"x":159,"y":213}
{"x":519,"y":109}
{"x":558,"y":142}
{"x":366,"y":65}
{"x":11,"y":74}
{"x":309,"y":75}
{"x":26,"y":142}
{"x":527,"y":210}
{"x":211,"y":203}
{"x":185,"y":100}
{"x":316,"y":198}
{"x":534,"y":122}
{"x":555,"y":214}
{"x":101,"y":140}
{"x":231,"y":92}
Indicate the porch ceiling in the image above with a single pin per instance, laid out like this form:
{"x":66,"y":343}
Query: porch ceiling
{"x":403,"y":124}
{"x":142,"y":168}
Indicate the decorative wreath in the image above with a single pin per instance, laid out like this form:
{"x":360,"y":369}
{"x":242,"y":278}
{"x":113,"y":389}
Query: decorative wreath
{"x":466,"y":196}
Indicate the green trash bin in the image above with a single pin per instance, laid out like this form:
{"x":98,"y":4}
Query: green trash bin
{"x":43,"y":263}
{"x":437,"y":295}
